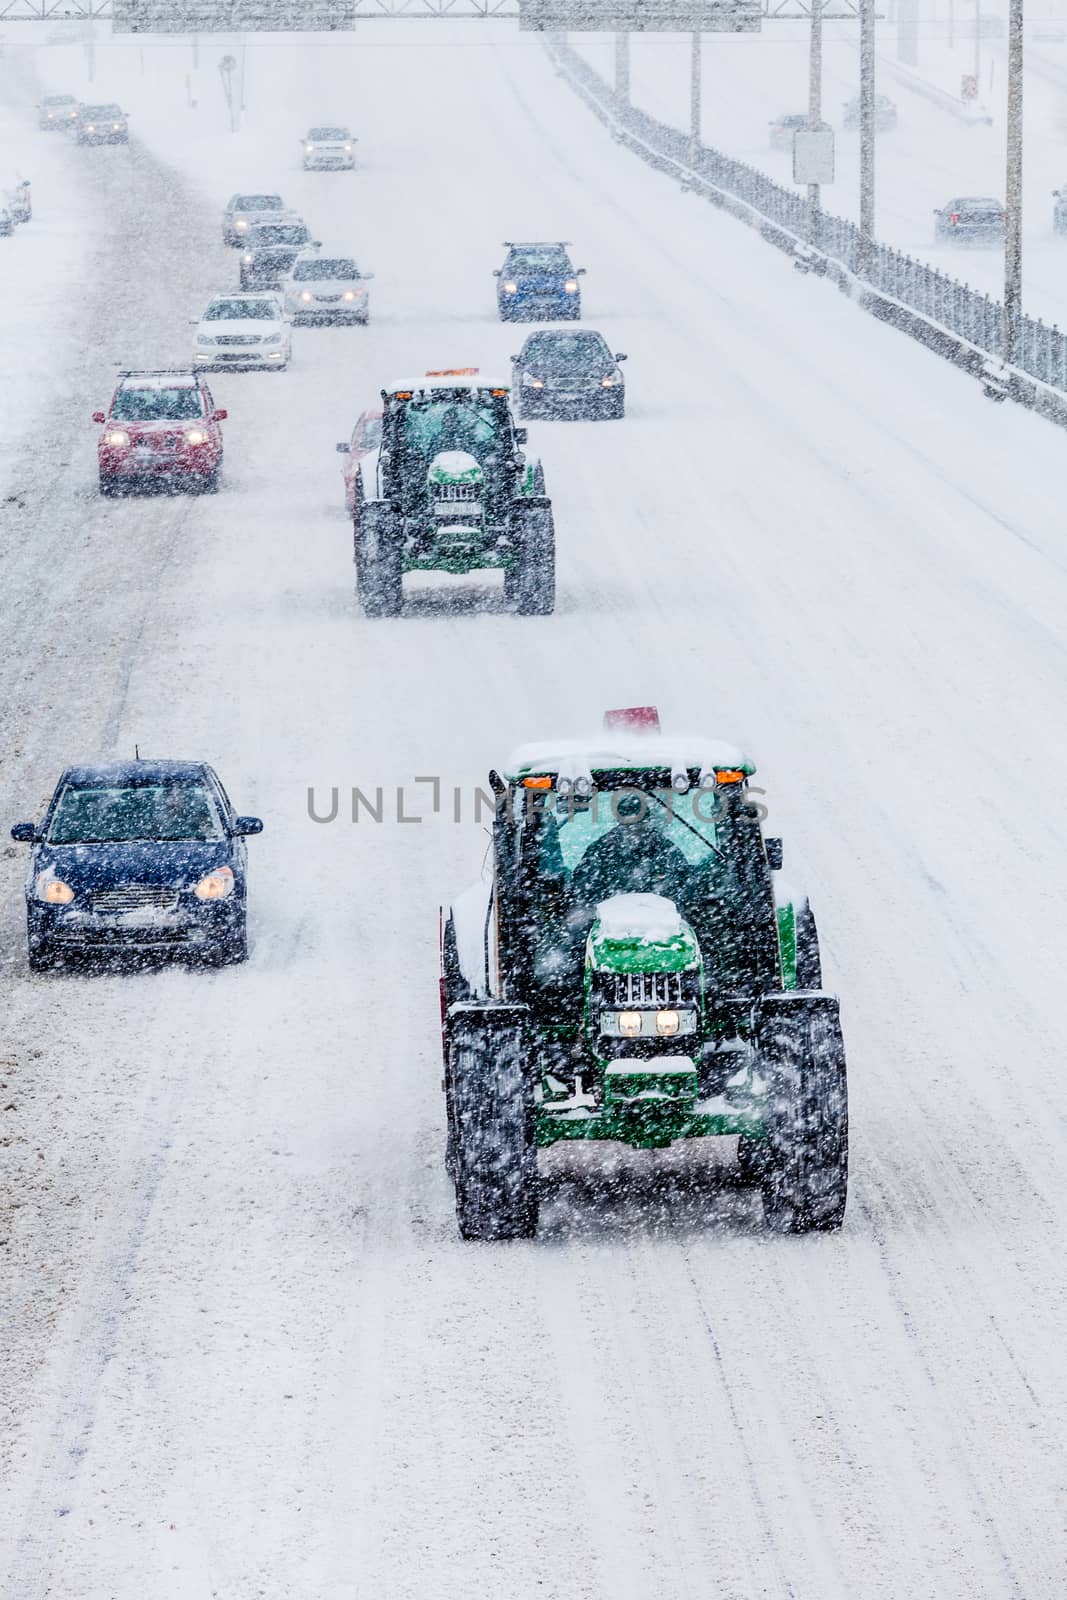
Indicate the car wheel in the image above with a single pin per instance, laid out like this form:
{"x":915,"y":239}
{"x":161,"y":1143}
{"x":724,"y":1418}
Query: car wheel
{"x":210,"y":483}
{"x":42,"y":957}
{"x":108,"y":487}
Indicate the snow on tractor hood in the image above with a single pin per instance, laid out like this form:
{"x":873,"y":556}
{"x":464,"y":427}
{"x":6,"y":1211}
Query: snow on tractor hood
{"x":641,"y":933}
{"x":455,"y":466}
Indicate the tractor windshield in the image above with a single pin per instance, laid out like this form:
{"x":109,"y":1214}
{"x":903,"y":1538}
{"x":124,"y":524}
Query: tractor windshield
{"x":438,"y":425}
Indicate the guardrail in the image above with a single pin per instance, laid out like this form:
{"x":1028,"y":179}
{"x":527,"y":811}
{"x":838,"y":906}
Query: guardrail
{"x":939,"y":310}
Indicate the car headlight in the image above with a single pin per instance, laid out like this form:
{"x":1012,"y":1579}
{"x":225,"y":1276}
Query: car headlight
{"x":195,"y":436}
{"x":571,"y":285}
{"x":90,"y":128}
{"x":247,"y":258}
{"x":629,"y":1024}
{"x":349,"y":294}
{"x":607,"y":383}
{"x":215,"y":885}
{"x":510,"y":288}
{"x":241,"y":223}
{"x":115,"y":127}
{"x":306,"y":295}
{"x":532,"y":383}
{"x":118,"y":437}
{"x":348,"y":149}
{"x":310,"y":149}
{"x":52,"y":890}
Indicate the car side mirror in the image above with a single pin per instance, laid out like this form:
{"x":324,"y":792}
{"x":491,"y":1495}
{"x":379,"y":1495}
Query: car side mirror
{"x":620,"y":355}
{"x":317,"y":243}
{"x":344,"y":448}
{"x":24,"y":833}
{"x":513,"y":358}
{"x":219,"y":416}
{"x":773,"y":848}
{"x":242,"y":826}
{"x":98,"y":416}
{"x":366,"y":276}
{"x":496,"y":272}
{"x":521,"y":435}
{"x":580,"y":272}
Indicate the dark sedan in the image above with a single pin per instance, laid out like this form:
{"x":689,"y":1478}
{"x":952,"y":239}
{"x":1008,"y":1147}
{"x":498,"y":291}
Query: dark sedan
{"x":564,"y":373}
{"x":269,"y":252}
{"x":970,"y":220}
{"x":140,"y":857}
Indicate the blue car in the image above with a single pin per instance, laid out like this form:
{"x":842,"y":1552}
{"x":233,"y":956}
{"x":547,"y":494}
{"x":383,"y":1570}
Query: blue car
{"x":538,"y":283}
{"x":140,"y":857}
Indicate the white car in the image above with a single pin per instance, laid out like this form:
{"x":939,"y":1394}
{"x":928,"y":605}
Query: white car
{"x":243,"y":330}
{"x":15,"y":196}
{"x":327,"y":288}
{"x":329,"y":149}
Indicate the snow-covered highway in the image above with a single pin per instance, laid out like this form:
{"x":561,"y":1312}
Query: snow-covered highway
{"x":244,"y":1352}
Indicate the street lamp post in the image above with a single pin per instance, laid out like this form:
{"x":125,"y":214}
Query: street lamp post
{"x":1013,"y":185}
{"x":814,"y":108}
{"x":867,"y":132}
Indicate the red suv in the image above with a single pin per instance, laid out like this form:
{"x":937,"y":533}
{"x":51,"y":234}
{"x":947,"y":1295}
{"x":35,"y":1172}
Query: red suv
{"x":161,"y":426}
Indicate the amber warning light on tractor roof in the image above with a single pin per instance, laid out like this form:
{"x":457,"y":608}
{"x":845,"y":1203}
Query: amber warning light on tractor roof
{"x":454,"y":372}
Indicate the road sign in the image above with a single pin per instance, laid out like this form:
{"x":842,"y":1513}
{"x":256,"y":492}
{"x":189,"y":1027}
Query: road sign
{"x":641,"y":16}
{"x":813,"y":155}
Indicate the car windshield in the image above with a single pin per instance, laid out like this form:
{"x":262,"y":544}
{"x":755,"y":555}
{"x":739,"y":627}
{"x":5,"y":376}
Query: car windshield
{"x":568,"y":352}
{"x":275,"y":257}
{"x":436,"y":425}
{"x":258,"y":202}
{"x":305,"y":271}
{"x":969,"y":203}
{"x":110,"y":814}
{"x":279,"y":233}
{"x":534,"y":260}
{"x":157,"y":404}
{"x":58,"y":100}
{"x":328,"y":133}
{"x":241,"y":311}
{"x":101,"y":111}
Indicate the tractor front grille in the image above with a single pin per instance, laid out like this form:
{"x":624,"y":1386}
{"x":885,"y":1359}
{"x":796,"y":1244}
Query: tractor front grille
{"x":453,"y":492}
{"x":626,"y":990}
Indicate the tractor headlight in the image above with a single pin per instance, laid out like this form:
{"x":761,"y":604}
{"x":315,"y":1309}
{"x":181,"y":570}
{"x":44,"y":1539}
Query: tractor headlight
{"x":629,"y":1024}
{"x":52,"y":890}
{"x":571,"y":286}
{"x":118,"y":437}
{"x":215,"y":885}
{"x":510,"y":288}
{"x":195,"y":436}
{"x":667,"y":1023}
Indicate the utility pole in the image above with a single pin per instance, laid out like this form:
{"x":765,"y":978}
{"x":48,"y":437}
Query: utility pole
{"x":622,"y":67}
{"x":695,"y":97}
{"x":1013,"y":185}
{"x":868,"y":133}
{"x":814,"y":108}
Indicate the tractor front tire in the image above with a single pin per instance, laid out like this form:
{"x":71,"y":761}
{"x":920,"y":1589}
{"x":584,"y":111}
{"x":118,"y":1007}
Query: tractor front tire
{"x":803,"y":1165}
{"x":379,"y":572}
{"x":493,"y":1154}
{"x":530,"y":585}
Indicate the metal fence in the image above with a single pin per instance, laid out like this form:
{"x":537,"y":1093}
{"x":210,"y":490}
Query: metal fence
{"x":1041,"y":350}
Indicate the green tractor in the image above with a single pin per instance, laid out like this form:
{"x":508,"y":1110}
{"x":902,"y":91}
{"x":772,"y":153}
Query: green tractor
{"x":450,"y":490}
{"x":632,"y":968}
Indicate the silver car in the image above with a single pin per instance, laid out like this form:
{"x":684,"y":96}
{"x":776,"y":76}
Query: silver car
{"x":327,"y":288}
{"x":329,"y":149}
{"x":244,"y":211}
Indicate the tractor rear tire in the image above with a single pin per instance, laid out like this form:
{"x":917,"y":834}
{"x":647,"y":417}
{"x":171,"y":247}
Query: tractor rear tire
{"x":379,"y":570}
{"x":530,"y":586}
{"x":803,"y":1170}
{"x":492,"y":1152}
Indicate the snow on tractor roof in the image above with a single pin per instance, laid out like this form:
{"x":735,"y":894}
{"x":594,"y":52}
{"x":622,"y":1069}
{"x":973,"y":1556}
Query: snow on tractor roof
{"x":609,"y":752}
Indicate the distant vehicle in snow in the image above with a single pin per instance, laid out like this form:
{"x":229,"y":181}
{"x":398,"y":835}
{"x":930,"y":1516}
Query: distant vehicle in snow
{"x":57,"y":112}
{"x":564,"y":372}
{"x":885,"y":113}
{"x":7,"y":223}
{"x":327,"y":288}
{"x":141,"y":857}
{"x":269,"y":250}
{"x":631,"y":967}
{"x":162,"y":427}
{"x":16,"y":197}
{"x":243,"y":330}
{"x":450,"y":489}
{"x":783,"y":128}
{"x":366,"y":436}
{"x":327,"y":149}
{"x":244,"y":211}
{"x":538,"y":283}
{"x":1059,"y":210}
{"x":969,"y":220}
{"x":105,"y":124}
